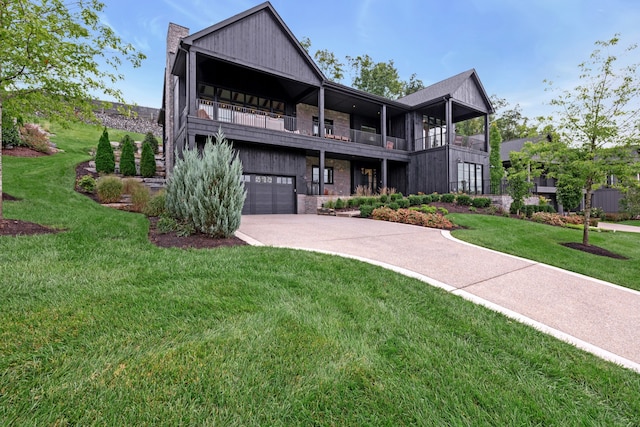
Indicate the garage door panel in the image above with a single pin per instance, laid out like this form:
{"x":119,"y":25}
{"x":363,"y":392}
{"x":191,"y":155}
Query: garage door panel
{"x":269,"y":194}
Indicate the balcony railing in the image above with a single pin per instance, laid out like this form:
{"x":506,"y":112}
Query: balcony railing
{"x":249,"y":117}
{"x":429,"y":142}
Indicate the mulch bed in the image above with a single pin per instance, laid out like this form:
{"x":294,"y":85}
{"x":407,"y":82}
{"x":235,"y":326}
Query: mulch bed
{"x":15,"y":227}
{"x":594,"y":250}
{"x":197,"y":240}
{"x":22,"y":152}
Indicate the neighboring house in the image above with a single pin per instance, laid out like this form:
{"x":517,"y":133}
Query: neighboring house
{"x":300,"y":135}
{"x":606,"y":198}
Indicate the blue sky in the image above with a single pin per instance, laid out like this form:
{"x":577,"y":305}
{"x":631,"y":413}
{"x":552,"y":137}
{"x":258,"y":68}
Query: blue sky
{"x":514,"y":45}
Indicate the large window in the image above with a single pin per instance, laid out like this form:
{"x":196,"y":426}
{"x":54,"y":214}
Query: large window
{"x":469,"y":178}
{"x":328,"y":175}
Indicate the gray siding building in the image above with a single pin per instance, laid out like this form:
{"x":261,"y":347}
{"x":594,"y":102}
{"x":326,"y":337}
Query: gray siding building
{"x":300,"y":135}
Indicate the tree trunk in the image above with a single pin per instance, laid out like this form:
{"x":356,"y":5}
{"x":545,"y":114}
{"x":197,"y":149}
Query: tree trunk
{"x":587,"y":215}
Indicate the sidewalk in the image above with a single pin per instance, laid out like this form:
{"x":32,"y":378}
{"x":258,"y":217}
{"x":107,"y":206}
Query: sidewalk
{"x":594,"y":315}
{"x":619,"y":227}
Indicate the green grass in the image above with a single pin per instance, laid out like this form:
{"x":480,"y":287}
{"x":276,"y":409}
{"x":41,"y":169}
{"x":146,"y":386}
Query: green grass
{"x":634,"y":222}
{"x":540,"y":242}
{"x":99,"y":327}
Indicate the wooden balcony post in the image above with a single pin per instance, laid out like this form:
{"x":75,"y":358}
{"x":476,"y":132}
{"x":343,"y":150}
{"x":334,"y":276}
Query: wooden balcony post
{"x":321,"y":117}
{"x":321,"y":173}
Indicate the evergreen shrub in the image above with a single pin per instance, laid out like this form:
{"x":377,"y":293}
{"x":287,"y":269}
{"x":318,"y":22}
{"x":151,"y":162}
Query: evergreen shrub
{"x":366,"y":210}
{"x":415,"y":200}
{"x":206,"y":190}
{"x":463,"y":200}
{"x":127,"y":157}
{"x":151,"y":139}
{"x":87,"y":183}
{"x":481,"y":202}
{"x":448,"y":198}
{"x":147,"y":161}
{"x":403,"y":203}
{"x":340,"y":203}
{"x":105,"y":159}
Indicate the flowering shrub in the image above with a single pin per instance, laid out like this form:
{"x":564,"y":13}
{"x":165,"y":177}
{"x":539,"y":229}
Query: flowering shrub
{"x":559,"y":220}
{"x":413,"y":217}
{"x":548,"y":218}
{"x":35,"y":137}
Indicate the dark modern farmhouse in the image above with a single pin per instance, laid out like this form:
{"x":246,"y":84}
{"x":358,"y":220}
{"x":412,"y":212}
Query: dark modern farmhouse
{"x":300,"y":135}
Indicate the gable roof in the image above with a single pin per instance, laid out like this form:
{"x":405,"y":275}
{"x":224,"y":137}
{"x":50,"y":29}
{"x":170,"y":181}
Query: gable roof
{"x":260,"y":39}
{"x":465,"y":87}
{"x":507,"y":147}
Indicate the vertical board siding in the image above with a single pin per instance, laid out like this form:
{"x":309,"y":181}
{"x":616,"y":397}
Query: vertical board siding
{"x":259,"y":40}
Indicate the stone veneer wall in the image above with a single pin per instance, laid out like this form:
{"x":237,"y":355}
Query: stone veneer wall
{"x":341,"y":175}
{"x":306,"y":112}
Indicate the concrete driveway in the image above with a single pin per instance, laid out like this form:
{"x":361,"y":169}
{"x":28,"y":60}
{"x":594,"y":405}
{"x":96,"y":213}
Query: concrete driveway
{"x":594,"y":315}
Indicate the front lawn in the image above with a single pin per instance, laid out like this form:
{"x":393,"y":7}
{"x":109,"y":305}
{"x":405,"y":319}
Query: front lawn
{"x":541,"y":242}
{"x":99,"y":327}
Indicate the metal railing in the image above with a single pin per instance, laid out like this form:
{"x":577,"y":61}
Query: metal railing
{"x":244,"y":116}
{"x":222,"y":112}
{"x":426,"y":143}
{"x":474,"y":187}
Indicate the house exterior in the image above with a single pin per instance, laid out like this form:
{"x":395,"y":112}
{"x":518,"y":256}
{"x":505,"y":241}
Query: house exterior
{"x":300,"y":135}
{"x":606,"y":198}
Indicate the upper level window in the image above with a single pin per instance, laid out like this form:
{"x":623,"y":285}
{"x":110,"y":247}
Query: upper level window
{"x":328,"y":126}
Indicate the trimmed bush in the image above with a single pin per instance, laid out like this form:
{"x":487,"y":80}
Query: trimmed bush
{"x":206,"y":189}
{"x":403,"y":203}
{"x":435,"y":197}
{"x":448,"y":198}
{"x":366,"y":210}
{"x":353,"y":202}
{"x":147,"y":161}
{"x":10,"y":133}
{"x":415,"y":200}
{"x":384,"y":198}
{"x":151,"y":139}
{"x":463,"y":200}
{"x":428,"y":209}
{"x":155,"y":206}
{"x":105,"y":159}
{"x":340,"y":203}
{"x":87,"y":183}
{"x":481,"y":202}
{"x":127,"y":157}
{"x":394,"y":206}
{"x":426,"y":199}
{"x":109,"y":189}
{"x":409,"y":216}
{"x":395,"y":197}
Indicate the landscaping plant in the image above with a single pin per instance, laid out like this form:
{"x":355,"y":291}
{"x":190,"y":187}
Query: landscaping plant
{"x":105,"y":159}
{"x":206,"y":189}
{"x":127,"y":157}
{"x":109,"y":189}
{"x":152,"y":140}
{"x":147,"y":161}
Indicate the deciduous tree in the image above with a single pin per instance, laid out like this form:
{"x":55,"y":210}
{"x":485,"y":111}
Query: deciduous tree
{"x":597,"y":122}
{"x":54,"y":54}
